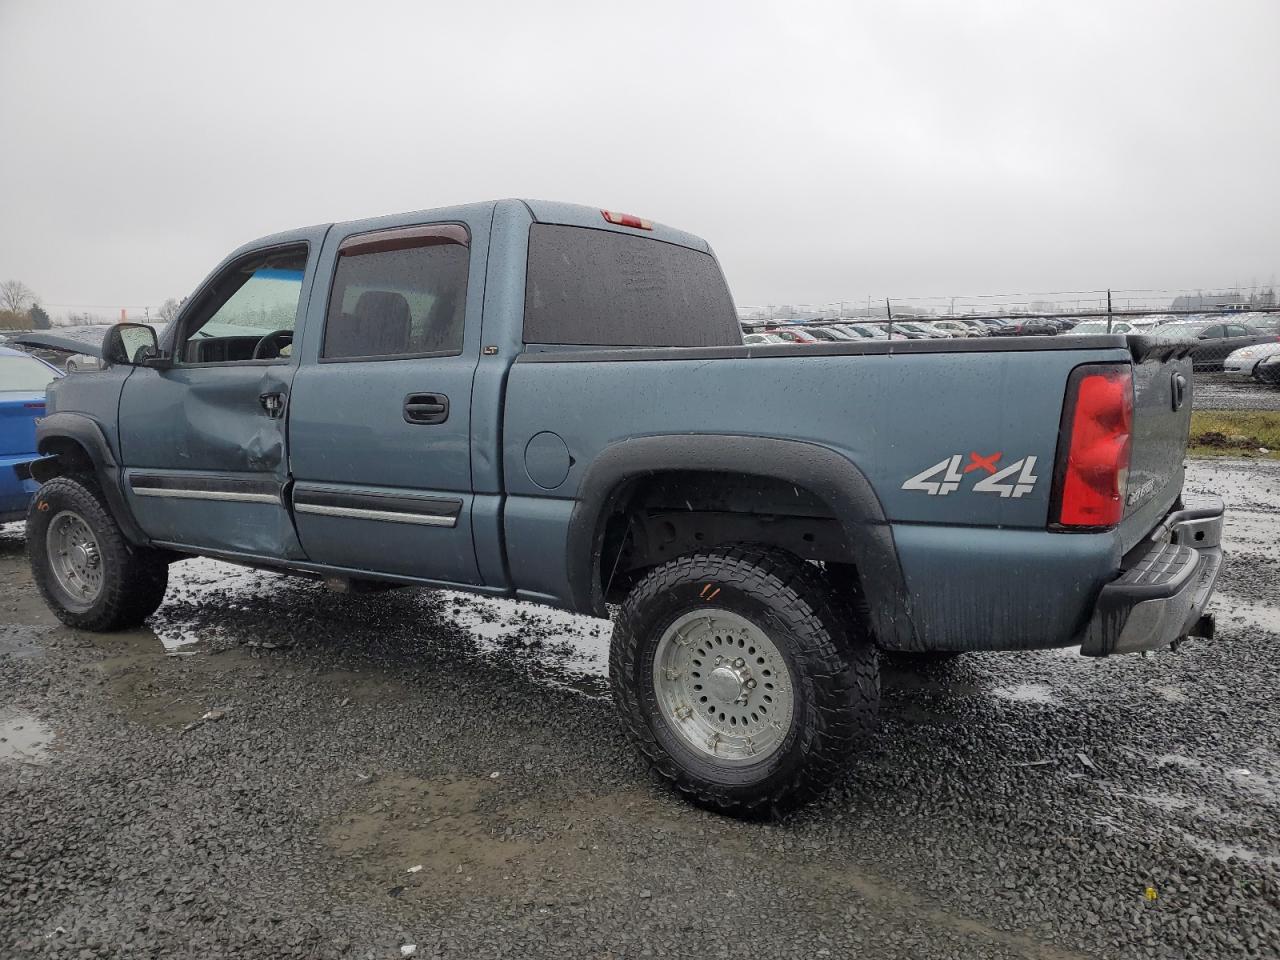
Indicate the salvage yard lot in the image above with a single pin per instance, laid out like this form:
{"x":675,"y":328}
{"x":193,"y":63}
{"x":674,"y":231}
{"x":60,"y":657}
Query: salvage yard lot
{"x":260,"y":773}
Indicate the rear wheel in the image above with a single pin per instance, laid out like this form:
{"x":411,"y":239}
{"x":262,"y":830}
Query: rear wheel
{"x":738,"y":680}
{"x":88,"y":574}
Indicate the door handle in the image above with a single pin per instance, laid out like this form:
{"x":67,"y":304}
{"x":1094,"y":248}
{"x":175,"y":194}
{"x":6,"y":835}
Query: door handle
{"x":273,"y":403}
{"x":421,"y":408}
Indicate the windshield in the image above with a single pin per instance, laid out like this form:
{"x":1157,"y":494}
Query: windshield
{"x":23,"y":375}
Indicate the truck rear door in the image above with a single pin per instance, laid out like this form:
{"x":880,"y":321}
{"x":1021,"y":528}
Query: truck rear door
{"x":380,"y":415}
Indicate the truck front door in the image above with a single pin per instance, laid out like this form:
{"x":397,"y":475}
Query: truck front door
{"x":380,"y":420}
{"x":203,"y":441}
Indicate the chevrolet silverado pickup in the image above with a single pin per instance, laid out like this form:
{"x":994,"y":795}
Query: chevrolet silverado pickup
{"x":554,"y":403}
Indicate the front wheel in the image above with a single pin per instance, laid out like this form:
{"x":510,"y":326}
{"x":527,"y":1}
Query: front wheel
{"x":88,"y":574}
{"x":740,"y":682}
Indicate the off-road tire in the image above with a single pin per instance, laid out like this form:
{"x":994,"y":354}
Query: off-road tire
{"x":833,"y":664}
{"x":133,"y":578}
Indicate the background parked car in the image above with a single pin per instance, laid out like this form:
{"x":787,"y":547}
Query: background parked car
{"x":1091,"y":328}
{"x":953,"y":327}
{"x":1218,"y":339}
{"x":1243,"y":364}
{"x":792,"y":335}
{"x":23,"y":379}
{"x":871,"y":331}
{"x":1268,"y":370}
{"x":1035,"y":327}
{"x":876,"y":331}
{"x":918,"y":330}
{"x":831,"y":334}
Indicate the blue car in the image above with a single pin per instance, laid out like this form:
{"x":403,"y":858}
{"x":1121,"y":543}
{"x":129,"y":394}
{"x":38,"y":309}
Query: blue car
{"x":23,"y":379}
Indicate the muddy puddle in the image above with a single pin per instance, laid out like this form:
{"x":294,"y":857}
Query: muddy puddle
{"x":23,"y":738}
{"x":465,"y":836}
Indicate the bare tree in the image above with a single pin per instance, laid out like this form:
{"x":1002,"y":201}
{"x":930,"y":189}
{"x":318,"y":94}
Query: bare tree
{"x":16,"y":296}
{"x":169,"y":310}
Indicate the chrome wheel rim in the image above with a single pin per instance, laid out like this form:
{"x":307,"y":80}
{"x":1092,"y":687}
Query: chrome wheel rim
{"x":75,"y":558}
{"x":723,"y":687}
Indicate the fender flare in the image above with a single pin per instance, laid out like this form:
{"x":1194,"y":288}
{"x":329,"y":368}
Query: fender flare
{"x":86,"y":432}
{"x":834,"y":479}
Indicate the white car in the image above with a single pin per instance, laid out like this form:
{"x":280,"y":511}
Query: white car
{"x":954,"y":327}
{"x":1094,"y":327}
{"x":1243,"y":364}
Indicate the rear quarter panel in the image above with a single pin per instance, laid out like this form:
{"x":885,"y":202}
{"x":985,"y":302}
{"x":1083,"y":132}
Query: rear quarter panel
{"x":981,"y":568}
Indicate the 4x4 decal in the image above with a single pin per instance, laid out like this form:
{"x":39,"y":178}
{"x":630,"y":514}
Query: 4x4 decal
{"x":944,"y":477}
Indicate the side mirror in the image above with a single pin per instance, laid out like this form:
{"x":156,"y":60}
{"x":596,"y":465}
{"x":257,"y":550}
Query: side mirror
{"x":131,"y":344}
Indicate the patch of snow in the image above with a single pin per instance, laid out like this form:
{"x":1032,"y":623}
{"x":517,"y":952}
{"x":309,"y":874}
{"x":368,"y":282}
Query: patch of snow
{"x":580,"y":644}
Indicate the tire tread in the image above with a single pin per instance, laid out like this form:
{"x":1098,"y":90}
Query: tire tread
{"x":134,"y":578}
{"x":836,"y":655}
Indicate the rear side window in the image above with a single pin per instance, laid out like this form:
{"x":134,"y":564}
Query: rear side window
{"x":600,"y":288}
{"x":399,"y":293}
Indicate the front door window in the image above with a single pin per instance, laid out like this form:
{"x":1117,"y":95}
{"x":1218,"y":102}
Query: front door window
{"x":251,"y":312}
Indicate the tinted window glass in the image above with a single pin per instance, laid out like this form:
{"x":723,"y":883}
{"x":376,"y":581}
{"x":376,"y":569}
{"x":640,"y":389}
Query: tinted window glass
{"x":609,"y":289}
{"x":255,"y":297}
{"x":397,"y":294}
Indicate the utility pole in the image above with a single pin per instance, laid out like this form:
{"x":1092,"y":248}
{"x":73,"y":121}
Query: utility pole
{"x":888,"y":309}
{"x":1108,"y":311}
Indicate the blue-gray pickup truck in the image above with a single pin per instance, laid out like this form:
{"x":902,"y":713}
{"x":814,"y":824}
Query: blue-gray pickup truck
{"x":553,"y":403}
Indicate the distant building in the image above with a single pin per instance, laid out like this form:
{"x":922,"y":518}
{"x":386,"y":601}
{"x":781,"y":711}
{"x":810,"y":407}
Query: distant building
{"x":1233,"y":302}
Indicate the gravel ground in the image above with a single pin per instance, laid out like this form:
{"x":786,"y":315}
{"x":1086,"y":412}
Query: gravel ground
{"x":1213,"y":391}
{"x":1019,"y":805}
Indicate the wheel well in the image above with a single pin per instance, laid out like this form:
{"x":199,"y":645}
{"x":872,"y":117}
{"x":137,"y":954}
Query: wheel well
{"x":71,"y":456}
{"x":660,"y":516}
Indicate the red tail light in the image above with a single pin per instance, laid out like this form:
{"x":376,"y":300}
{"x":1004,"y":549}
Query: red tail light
{"x":1094,"y":444}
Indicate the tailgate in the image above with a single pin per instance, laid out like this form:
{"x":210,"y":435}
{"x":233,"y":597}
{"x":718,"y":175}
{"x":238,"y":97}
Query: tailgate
{"x":1162,"y":385}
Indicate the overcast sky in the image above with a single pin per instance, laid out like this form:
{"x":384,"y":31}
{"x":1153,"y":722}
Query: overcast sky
{"x":826,"y":150}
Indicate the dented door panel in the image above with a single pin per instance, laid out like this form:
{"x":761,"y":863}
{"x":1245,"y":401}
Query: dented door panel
{"x":205,"y":442}
{"x":207,"y":426}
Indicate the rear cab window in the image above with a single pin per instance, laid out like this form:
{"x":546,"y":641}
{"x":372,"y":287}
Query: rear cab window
{"x":594,"y":287}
